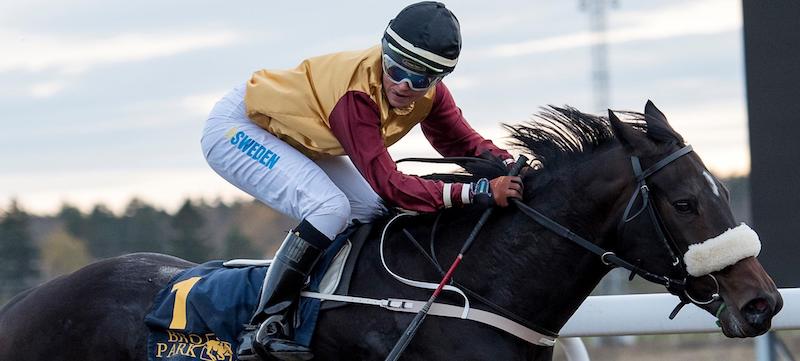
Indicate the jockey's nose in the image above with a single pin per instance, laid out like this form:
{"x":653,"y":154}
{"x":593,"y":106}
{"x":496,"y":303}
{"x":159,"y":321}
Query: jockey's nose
{"x":403,"y":87}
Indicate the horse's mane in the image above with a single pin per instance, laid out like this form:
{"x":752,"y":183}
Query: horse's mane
{"x":554,"y":137}
{"x":558,"y":135}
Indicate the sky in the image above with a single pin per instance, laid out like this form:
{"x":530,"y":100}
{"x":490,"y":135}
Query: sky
{"x":103,"y":101}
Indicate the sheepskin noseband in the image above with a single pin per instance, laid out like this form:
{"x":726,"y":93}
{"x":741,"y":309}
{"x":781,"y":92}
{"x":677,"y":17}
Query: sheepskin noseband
{"x":722,"y":251}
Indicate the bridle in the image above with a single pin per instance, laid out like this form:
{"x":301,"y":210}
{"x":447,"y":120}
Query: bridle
{"x":676,"y":286}
{"x":658,"y":224}
{"x":662,"y":232}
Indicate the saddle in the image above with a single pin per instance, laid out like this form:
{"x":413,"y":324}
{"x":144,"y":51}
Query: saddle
{"x":185,"y":320}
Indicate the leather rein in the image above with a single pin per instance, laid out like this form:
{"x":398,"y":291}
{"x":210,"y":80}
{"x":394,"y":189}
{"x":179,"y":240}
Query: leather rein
{"x":676,"y":286}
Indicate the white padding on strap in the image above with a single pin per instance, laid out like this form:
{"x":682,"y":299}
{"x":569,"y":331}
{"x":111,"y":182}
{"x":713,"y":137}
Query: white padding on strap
{"x":722,"y":251}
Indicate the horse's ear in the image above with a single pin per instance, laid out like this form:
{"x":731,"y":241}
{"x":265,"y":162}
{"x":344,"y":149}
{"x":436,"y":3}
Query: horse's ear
{"x":658,"y":127}
{"x":629,"y":137}
{"x":651,"y":110}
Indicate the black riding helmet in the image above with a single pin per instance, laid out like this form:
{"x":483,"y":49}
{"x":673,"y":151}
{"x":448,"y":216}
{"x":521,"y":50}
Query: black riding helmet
{"x":424,"y":37}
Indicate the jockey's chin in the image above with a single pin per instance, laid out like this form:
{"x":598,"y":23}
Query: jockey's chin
{"x":400,"y":95}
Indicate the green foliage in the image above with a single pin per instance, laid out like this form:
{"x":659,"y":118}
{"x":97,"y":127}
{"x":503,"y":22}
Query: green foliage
{"x":145,"y":228}
{"x":103,"y":232}
{"x":73,"y":220}
{"x":189,"y":242}
{"x":142,"y":228}
{"x":63,"y":253}
{"x":72,"y":238}
{"x":237,"y":245}
{"x":18,"y":254}
{"x":38,"y":248}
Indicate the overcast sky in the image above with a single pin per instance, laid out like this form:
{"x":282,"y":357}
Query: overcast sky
{"x":101,"y":101}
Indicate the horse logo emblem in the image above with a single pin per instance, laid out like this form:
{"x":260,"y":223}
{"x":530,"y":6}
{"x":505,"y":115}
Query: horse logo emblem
{"x":219,"y":350}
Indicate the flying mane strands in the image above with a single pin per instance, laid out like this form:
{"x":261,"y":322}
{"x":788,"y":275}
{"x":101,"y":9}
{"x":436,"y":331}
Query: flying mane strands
{"x":559,"y":134}
{"x":553,"y":137}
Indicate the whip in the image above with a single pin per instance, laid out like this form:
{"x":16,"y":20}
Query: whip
{"x":412,"y":328}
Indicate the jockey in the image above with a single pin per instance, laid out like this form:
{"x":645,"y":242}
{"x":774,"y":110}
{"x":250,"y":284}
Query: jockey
{"x":311,"y":143}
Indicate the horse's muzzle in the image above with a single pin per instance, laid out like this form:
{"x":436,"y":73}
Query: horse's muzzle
{"x":758,"y":313}
{"x":751,"y":298}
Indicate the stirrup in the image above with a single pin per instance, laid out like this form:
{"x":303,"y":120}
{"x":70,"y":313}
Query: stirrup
{"x":272,"y":328}
{"x":272,"y":341}
{"x":245,"y":351}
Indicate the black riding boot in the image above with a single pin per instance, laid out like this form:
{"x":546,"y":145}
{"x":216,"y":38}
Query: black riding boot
{"x":269,"y":334}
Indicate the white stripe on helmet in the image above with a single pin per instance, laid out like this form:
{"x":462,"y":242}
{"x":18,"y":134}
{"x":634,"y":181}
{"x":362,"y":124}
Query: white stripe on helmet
{"x":397,"y":50}
{"x":419,"y":51}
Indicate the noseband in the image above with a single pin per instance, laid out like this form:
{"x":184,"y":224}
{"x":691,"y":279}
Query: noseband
{"x":676,"y":286}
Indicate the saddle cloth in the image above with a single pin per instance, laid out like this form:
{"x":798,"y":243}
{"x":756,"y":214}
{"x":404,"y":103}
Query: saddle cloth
{"x":200,"y":313}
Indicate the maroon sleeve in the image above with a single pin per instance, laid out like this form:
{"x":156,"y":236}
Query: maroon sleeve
{"x":355,"y":121}
{"x":449,"y":133}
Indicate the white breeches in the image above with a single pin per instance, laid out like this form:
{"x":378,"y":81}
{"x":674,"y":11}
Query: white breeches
{"x":329,"y":193}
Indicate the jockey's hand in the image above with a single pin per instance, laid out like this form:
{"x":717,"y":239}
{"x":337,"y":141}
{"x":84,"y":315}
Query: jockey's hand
{"x":505,"y":187}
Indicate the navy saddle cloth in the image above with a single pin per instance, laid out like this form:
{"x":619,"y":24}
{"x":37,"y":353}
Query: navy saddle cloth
{"x":200,"y":313}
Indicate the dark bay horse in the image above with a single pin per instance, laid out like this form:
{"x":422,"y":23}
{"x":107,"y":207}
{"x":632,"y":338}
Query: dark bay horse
{"x":584,"y":182}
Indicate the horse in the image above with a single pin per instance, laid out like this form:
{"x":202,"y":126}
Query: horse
{"x":583,"y":181}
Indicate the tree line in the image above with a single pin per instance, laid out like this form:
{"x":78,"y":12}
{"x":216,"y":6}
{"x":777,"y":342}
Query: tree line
{"x":34,"y":248}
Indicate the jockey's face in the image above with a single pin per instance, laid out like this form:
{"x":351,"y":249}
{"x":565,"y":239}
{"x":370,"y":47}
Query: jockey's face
{"x":400,"y":95}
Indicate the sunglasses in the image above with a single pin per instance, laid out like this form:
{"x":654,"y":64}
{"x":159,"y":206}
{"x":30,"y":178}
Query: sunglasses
{"x":399,"y":74}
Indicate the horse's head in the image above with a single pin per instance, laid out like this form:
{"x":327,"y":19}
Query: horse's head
{"x":676,"y":222}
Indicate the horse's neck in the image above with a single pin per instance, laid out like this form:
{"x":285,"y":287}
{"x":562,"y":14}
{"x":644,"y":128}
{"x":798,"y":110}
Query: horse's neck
{"x":535,"y":273}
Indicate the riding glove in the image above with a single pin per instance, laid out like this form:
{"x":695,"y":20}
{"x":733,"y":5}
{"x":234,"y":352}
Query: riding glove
{"x":505,"y":187}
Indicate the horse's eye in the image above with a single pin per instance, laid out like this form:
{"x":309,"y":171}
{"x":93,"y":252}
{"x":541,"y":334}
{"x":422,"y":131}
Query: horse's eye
{"x":683,"y":206}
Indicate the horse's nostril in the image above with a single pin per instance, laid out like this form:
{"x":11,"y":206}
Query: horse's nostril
{"x":757,"y":312}
{"x":759,"y":305}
